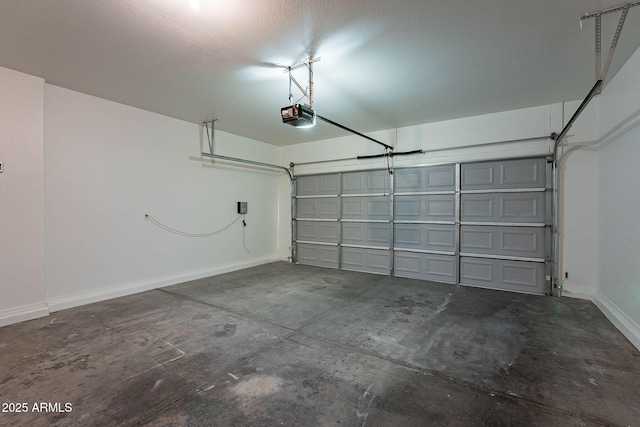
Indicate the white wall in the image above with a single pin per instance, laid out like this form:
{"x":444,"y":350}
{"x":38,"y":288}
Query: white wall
{"x":579,"y":228}
{"x":22,"y":245}
{"x":109,"y":164}
{"x":577,"y":186}
{"x":618,"y":290}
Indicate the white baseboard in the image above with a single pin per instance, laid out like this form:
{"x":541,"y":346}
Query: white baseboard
{"x":25,"y":312}
{"x":619,"y":318}
{"x":578,"y":292}
{"x":78,"y":299}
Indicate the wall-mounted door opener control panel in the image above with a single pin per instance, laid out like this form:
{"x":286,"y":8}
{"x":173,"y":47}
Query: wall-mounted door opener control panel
{"x":242,"y":207}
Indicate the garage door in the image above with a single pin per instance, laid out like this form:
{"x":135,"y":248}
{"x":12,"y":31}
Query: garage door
{"x":481,"y":224}
{"x":344,"y":221}
{"x":425,"y":223}
{"x":504,"y":213}
{"x":317,"y":214}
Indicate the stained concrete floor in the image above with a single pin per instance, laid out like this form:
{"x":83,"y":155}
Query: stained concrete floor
{"x":293,"y":345}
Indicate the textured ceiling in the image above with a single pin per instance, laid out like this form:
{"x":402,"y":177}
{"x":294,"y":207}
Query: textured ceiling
{"x":384,"y":64}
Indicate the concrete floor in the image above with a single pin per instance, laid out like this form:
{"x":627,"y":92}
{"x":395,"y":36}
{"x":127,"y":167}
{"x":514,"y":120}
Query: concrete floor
{"x":293,"y":345}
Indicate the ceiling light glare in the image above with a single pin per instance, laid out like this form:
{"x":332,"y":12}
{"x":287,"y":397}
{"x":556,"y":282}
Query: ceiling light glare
{"x":195,"y":4}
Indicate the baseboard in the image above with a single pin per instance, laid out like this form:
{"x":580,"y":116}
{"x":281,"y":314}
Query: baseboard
{"x":619,"y":318}
{"x":75,"y":300}
{"x":578,"y":292}
{"x":25,"y":312}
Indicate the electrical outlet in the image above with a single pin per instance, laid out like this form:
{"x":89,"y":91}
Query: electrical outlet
{"x":566,"y":274}
{"x":242,"y":207}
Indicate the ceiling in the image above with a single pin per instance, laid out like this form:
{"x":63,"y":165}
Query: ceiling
{"x":384,"y":63}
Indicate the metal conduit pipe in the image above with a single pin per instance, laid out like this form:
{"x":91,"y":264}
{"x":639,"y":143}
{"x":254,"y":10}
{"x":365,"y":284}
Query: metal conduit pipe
{"x":592,"y":93}
{"x":249,"y":162}
{"x":556,"y":204}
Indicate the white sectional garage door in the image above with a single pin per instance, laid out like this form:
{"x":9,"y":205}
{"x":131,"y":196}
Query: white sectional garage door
{"x":425,"y":223}
{"x":504,"y":238}
{"x":316,"y":225}
{"x":481,"y":224}
{"x":344,"y":221}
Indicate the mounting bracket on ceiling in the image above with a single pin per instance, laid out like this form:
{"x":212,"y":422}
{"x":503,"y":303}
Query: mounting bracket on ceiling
{"x":304,"y":116}
{"x":209,"y":127}
{"x":601,"y":73}
{"x":306,"y":93}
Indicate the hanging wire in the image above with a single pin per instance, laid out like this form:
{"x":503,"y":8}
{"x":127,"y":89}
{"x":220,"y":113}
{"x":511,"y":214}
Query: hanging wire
{"x":301,"y":98}
{"x":185,"y":234}
{"x":387,"y":156}
{"x":244,"y":226}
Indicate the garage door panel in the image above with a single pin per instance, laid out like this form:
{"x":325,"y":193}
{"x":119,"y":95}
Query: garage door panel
{"x":425,"y":207}
{"x":366,"y":234}
{"x":526,"y":242}
{"x":317,"y":185}
{"x":521,"y":276}
{"x":408,"y":180}
{"x":366,"y":208}
{"x":477,"y":239}
{"x":318,"y":208}
{"x":414,"y":265}
{"x":525,"y":207}
{"x":318,"y":231}
{"x":417,"y":180}
{"x":366,"y":260}
{"x":523,"y":241}
{"x":504,"y":174}
{"x":477,"y":176}
{"x":522,"y":173}
{"x":435,"y":237}
{"x":515,"y":207}
{"x":477,"y":208}
{"x":366,"y":182}
{"x":440,"y":178}
{"x":319,"y":255}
